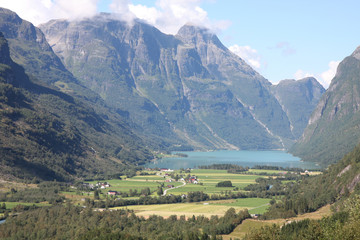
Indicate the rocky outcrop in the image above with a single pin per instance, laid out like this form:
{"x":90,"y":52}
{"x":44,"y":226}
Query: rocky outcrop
{"x":298,"y":99}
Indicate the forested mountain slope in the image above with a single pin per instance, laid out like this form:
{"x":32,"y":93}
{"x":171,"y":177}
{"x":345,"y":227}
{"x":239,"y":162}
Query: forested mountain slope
{"x":339,"y":186}
{"x":333,"y":128}
{"x":335,"y":185}
{"x":51,"y":135}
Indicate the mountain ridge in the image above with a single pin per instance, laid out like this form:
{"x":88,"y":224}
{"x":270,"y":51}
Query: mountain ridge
{"x":332,"y":129}
{"x":166,"y":73}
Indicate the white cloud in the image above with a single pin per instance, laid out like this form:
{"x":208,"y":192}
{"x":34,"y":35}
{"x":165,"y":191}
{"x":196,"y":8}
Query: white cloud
{"x":329,"y":74}
{"x":247,"y":53}
{"x":167,"y":15}
{"x":324,"y":78}
{"x":40,"y":11}
{"x":170,"y":15}
{"x":300,"y":74}
{"x":122,"y":8}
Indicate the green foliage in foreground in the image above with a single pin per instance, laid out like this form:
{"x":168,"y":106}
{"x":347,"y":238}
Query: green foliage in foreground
{"x":69,"y":222}
{"x":333,"y":186}
{"x":341,"y":225}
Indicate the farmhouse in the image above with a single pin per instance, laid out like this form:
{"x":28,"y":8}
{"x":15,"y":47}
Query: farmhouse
{"x":112,"y":193}
{"x":166,"y":170}
{"x":103,"y":185}
{"x":193,"y":180}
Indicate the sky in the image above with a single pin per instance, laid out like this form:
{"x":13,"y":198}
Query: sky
{"x":280,"y":39}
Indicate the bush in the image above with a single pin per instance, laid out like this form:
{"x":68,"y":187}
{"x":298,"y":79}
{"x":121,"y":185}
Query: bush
{"x":224,"y":184}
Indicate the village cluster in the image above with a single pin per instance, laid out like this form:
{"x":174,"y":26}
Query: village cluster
{"x":167,"y":174}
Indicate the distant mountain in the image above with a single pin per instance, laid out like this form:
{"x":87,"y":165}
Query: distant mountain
{"x":188,"y":89}
{"x":333,"y":128}
{"x":48,"y":133}
{"x":298,"y":99}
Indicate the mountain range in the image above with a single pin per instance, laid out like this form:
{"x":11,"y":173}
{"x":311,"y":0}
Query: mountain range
{"x":187,"y":88}
{"x":123,"y":90}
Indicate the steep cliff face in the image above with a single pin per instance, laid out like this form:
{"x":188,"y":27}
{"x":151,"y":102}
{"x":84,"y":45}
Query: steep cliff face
{"x":298,"y":99}
{"x":30,"y":49}
{"x":333,"y":126}
{"x":188,"y":86}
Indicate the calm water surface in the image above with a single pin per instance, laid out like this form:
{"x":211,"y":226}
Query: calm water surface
{"x":242,"y":158}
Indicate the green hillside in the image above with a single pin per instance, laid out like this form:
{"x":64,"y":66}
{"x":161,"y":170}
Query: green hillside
{"x":51,"y":135}
{"x":339,"y":186}
{"x":333,"y":128}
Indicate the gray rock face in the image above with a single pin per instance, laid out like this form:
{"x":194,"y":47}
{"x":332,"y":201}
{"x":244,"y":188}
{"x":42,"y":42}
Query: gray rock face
{"x":298,"y":99}
{"x":333,"y":127}
{"x":188,"y":87}
{"x":356,"y":53}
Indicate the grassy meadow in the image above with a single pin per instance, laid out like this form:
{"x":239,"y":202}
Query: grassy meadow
{"x":11,"y":205}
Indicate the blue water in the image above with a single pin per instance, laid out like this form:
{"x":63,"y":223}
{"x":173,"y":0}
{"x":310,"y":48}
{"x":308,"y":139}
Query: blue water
{"x":2,"y":221}
{"x":242,"y":158}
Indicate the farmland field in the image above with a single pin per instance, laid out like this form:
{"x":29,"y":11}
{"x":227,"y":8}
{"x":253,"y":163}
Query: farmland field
{"x":208,"y":208}
{"x":11,"y":205}
{"x":209,"y":178}
{"x":136,"y":183}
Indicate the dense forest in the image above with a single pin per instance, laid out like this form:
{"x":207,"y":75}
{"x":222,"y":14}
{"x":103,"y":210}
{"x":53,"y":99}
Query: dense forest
{"x":71,"y":222}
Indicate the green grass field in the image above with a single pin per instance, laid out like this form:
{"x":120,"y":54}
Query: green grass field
{"x":245,"y":227}
{"x":209,"y":178}
{"x":137,"y":183}
{"x":208,"y":208}
{"x":11,"y":205}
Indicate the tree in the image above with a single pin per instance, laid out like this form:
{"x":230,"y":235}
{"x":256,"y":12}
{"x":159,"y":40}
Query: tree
{"x":160,"y":191}
{"x":224,"y":184}
{"x":96,"y":194}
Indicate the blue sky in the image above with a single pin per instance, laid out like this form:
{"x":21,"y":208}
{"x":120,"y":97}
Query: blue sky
{"x":280,"y":39}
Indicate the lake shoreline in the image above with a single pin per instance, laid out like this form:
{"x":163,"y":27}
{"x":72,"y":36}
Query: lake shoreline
{"x":244,"y":158}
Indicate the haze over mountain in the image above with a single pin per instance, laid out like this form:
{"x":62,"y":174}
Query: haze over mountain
{"x":333,"y":128}
{"x":187,"y":88}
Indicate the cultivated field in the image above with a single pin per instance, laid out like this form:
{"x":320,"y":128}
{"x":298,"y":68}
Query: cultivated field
{"x":209,"y":178}
{"x":208,"y":208}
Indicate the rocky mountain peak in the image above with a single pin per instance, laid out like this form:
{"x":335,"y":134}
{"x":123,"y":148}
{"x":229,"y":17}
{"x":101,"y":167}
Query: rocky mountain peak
{"x":356,"y":53}
{"x":192,"y":34}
